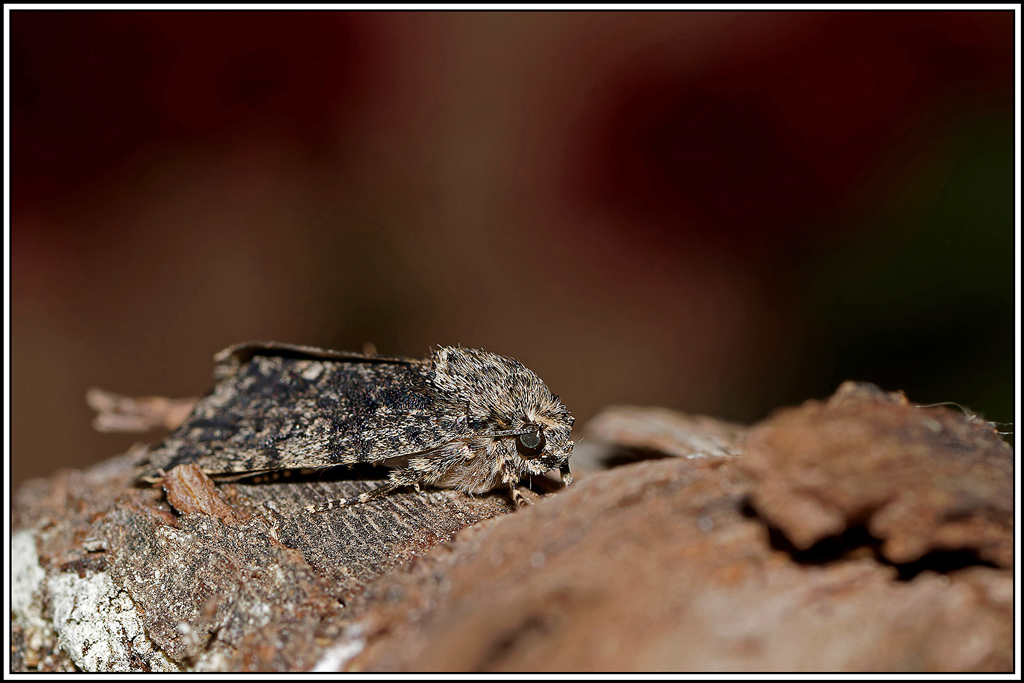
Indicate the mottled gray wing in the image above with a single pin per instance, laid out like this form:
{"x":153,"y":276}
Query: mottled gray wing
{"x":284,"y":407}
{"x":234,"y":357}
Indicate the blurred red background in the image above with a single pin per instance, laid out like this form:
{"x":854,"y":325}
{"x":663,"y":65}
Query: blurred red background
{"x":719,"y":212}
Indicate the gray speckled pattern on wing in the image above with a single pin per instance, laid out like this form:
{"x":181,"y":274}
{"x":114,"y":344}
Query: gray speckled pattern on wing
{"x":303,"y":410}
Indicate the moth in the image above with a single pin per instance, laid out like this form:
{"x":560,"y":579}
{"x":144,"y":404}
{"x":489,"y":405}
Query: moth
{"x":461,"y":418}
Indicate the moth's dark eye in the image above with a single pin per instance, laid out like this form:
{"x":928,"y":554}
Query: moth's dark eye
{"x":531,"y":443}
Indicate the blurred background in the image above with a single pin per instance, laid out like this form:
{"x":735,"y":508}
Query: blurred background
{"x":719,"y":212}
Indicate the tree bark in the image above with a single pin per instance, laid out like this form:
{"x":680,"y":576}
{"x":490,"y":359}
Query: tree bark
{"x":860,"y":533}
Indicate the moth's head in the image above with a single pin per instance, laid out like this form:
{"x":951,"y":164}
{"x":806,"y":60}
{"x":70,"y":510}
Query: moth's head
{"x":510,"y":404}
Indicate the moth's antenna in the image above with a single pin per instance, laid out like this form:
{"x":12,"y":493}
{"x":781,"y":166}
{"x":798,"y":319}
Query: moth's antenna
{"x":511,"y":432}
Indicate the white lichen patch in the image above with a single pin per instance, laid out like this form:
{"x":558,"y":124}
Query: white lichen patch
{"x":336,"y":657}
{"x":98,"y":626}
{"x":27,"y":577}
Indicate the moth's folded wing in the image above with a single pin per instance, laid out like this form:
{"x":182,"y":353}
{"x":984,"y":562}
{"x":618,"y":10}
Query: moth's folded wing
{"x":230,"y":360}
{"x":283,"y":412}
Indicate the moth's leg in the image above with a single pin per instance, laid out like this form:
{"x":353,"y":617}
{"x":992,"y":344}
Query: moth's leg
{"x":399,"y":478}
{"x":566,"y":474}
{"x":511,"y":480}
{"x":517,"y":498}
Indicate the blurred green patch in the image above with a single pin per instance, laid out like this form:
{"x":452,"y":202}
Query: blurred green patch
{"x":922,"y":297}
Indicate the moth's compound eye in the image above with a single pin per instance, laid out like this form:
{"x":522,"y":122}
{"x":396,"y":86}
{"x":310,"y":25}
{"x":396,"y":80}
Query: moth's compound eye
{"x":531,"y":443}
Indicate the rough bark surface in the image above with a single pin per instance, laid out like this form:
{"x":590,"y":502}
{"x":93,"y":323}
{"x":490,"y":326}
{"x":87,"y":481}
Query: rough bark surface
{"x":857,"y":534}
